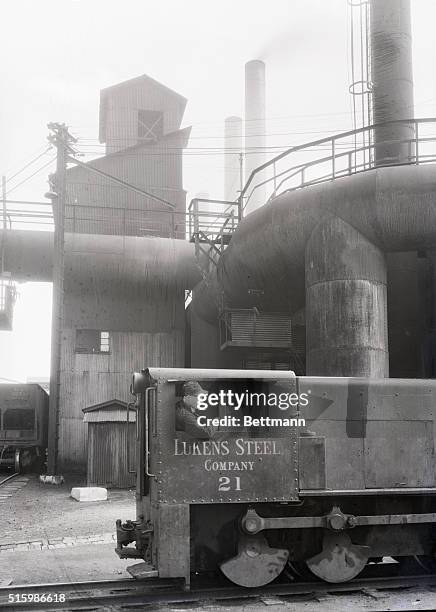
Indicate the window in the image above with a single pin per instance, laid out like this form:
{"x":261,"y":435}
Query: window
{"x":91,"y":341}
{"x":104,"y":342}
{"x":19,"y":418}
{"x":150,"y":125}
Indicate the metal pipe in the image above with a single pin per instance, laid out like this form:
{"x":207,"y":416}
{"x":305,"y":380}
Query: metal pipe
{"x":120,"y":260}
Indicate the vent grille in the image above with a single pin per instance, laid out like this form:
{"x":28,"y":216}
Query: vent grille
{"x":251,"y":328}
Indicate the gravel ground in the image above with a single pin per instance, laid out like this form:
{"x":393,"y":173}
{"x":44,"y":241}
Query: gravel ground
{"x":75,"y":564}
{"x":47,"y":511}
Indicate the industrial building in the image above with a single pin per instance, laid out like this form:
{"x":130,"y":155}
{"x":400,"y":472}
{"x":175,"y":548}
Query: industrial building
{"x":127,"y":265}
{"x":324,"y":264}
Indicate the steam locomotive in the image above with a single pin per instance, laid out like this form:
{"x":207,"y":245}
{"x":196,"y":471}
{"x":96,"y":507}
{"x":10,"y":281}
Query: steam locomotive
{"x":342,"y":476}
{"x":23,"y":425}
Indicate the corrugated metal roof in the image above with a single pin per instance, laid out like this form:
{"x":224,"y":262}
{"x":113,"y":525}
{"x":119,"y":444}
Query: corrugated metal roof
{"x":113,"y":403}
{"x":113,"y":410}
{"x":109,"y":416}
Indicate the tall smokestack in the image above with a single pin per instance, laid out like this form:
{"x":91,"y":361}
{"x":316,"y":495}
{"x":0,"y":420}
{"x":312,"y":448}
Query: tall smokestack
{"x":392,"y":76}
{"x":255,"y":127}
{"x":232,"y":157}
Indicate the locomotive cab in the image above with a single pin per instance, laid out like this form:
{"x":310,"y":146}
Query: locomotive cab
{"x":188,"y":475}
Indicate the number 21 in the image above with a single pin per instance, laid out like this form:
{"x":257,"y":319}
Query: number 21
{"x":224,"y":483}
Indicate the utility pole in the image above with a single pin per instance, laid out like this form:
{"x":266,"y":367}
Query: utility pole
{"x":61,"y":138}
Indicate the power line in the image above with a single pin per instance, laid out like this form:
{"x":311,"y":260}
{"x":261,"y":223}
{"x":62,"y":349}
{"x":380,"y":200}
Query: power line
{"x":222,"y":136}
{"x":23,"y":160}
{"x":10,"y":178}
{"x":207,"y":149}
{"x":30,"y":176}
{"x":220,"y":152}
{"x":267,"y":117}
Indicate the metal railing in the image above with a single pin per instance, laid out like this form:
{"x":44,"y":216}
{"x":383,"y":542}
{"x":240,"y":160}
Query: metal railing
{"x":344,"y":154}
{"x":211,"y":224}
{"x":124,"y":221}
{"x":312,"y":163}
{"x":91,"y":219}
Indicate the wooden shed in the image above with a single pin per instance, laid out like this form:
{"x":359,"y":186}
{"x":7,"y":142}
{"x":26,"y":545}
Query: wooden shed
{"x":111,"y":449}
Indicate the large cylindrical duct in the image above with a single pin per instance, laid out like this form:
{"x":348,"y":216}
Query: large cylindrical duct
{"x":121,"y":261}
{"x":392,"y":78}
{"x":390,"y":209}
{"x":346,"y":303}
{"x":255,"y":129}
{"x":232,"y":157}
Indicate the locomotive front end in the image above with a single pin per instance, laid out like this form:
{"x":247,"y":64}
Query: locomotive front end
{"x":250,"y":471}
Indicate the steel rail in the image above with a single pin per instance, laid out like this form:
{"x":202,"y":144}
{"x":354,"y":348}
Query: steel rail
{"x":10,"y":477}
{"x":126,"y":593}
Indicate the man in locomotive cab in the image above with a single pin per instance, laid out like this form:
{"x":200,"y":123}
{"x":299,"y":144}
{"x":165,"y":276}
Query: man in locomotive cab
{"x":187,"y":412}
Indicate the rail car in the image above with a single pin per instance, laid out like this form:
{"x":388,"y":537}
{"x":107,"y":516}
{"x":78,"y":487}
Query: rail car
{"x":342,"y":476}
{"x":23,"y":425}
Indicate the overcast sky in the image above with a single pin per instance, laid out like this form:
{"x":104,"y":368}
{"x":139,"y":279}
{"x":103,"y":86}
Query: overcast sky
{"x":58,"y":54}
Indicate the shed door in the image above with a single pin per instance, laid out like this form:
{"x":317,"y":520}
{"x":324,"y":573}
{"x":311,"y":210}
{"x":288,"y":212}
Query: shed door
{"x":107,"y":455}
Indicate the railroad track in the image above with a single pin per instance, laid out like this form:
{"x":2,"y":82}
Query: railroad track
{"x":125,"y":594}
{"x":8,"y":478}
{"x":11,"y":484}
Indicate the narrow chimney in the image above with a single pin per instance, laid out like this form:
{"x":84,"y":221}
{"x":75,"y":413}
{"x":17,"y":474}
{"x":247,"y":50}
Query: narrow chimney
{"x":255,"y":128}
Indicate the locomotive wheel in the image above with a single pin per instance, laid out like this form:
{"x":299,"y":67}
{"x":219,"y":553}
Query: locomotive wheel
{"x":340,"y":560}
{"x":256,"y":563}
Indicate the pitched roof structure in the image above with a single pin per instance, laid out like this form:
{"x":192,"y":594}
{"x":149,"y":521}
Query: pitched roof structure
{"x":150,"y":88}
